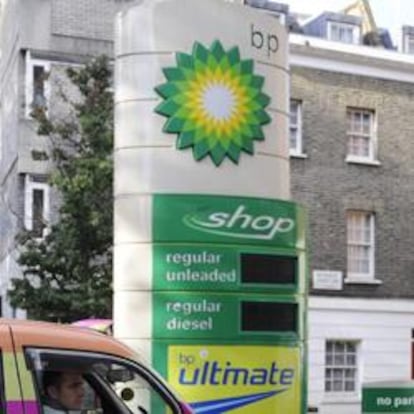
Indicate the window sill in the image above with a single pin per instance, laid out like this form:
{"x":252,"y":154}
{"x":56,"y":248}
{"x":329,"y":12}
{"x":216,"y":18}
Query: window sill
{"x":298,"y":155}
{"x":362,"y":281}
{"x":341,"y":397}
{"x":364,"y":161}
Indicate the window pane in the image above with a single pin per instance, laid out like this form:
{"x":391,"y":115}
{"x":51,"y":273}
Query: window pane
{"x":38,"y":212}
{"x":410,"y":43}
{"x":366,"y":125}
{"x":339,"y":346}
{"x":294,"y":113}
{"x":295,"y":137}
{"x":349,"y":373}
{"x":358,"y":259}
{"x":345,"y":34}
{"x":358,"y":146}
{"x":360,"y":133}
{"x":341,"y":366}
{"x":342,"y":32}
{"x":349,"y":386}
{"x":39,"y":77}
{"x":360,"y":242}
{"x":339,"y":360}
{"x":351,"y":348}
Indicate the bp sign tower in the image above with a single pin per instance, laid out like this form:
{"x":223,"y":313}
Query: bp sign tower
{"x":210,"y":255}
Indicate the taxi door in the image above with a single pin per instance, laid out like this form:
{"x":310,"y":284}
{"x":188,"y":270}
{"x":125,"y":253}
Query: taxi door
{"x":29,"y":399}
{"x":10,"y":394}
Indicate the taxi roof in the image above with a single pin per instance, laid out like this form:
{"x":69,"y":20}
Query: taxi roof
{"x":54,"y":335}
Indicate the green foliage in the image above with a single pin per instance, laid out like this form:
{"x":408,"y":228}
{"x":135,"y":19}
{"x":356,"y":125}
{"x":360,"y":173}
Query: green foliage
{"x":67,"y":275}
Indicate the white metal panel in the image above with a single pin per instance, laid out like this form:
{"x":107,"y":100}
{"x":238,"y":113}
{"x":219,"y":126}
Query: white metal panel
{"x":130,"y":275}
{"x":132,"y":219}
{"x":133,"y":314}
{"x":162,"y":170}
{"x":138,"y":74}
{"x":134,"y":20}
{"x":165,"y":26}
{"x":138,"y":125}
{"x":232,"y":25}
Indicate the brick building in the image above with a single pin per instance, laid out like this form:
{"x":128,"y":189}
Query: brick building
{"x":355,"y":177}
{"x":351,"y":167}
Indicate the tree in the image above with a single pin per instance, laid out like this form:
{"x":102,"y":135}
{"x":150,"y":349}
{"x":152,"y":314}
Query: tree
{"x":67,"y":275}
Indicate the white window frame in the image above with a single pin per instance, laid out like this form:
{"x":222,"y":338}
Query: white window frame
{"x":356,"y":32}
{"x":296,"y":150}
{"x":343,"y":394}
{"x":371,"y":137}
{"x":408,"y":43}
{"x":30,"y":64}
{"x":30,"y":186}
{"x":360,"y":234}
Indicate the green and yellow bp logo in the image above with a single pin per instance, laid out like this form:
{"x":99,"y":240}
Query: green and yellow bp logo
{"x":214,"y":103}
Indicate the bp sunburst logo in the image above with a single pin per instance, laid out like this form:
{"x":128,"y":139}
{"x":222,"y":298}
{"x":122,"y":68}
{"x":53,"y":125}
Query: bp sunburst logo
{"x":214,"y":103}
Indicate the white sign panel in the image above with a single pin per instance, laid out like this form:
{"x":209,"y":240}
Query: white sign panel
{"x":201,"y":100}
{"x":327,"y":280}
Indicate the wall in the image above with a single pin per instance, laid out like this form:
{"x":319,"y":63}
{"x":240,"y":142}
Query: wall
{"x":379,"y":316}
{"x":383,"y":328}
{"x":9,"y":41}
{"x":75,"y":27}
{"x":328,"y":185}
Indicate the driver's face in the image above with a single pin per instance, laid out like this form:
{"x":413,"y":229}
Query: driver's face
{"x":70,"y":392}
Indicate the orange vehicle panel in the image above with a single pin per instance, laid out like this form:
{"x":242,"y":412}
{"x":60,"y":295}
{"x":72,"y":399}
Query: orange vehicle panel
{"x":13,"y":399}
{"x":6,"y":343}
{"x":26,"y":333}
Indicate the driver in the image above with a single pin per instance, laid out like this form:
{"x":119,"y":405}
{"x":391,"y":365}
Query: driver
{"x":64,"y":392}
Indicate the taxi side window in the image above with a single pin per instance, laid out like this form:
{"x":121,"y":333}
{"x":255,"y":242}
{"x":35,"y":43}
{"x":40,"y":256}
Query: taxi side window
{"x":93,"y":383}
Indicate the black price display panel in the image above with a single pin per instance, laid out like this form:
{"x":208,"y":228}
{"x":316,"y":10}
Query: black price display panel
{"x":268,"y":269}
{"x":268,"y":316}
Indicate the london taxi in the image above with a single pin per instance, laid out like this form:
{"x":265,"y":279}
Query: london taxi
{"x":116,"y":380}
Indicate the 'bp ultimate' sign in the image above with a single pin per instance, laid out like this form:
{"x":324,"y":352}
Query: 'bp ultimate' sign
{"x":242,"y":379}
{"x":209,"y":253}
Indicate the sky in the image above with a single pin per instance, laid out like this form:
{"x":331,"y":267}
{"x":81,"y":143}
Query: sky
{"x":389,"y":14}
